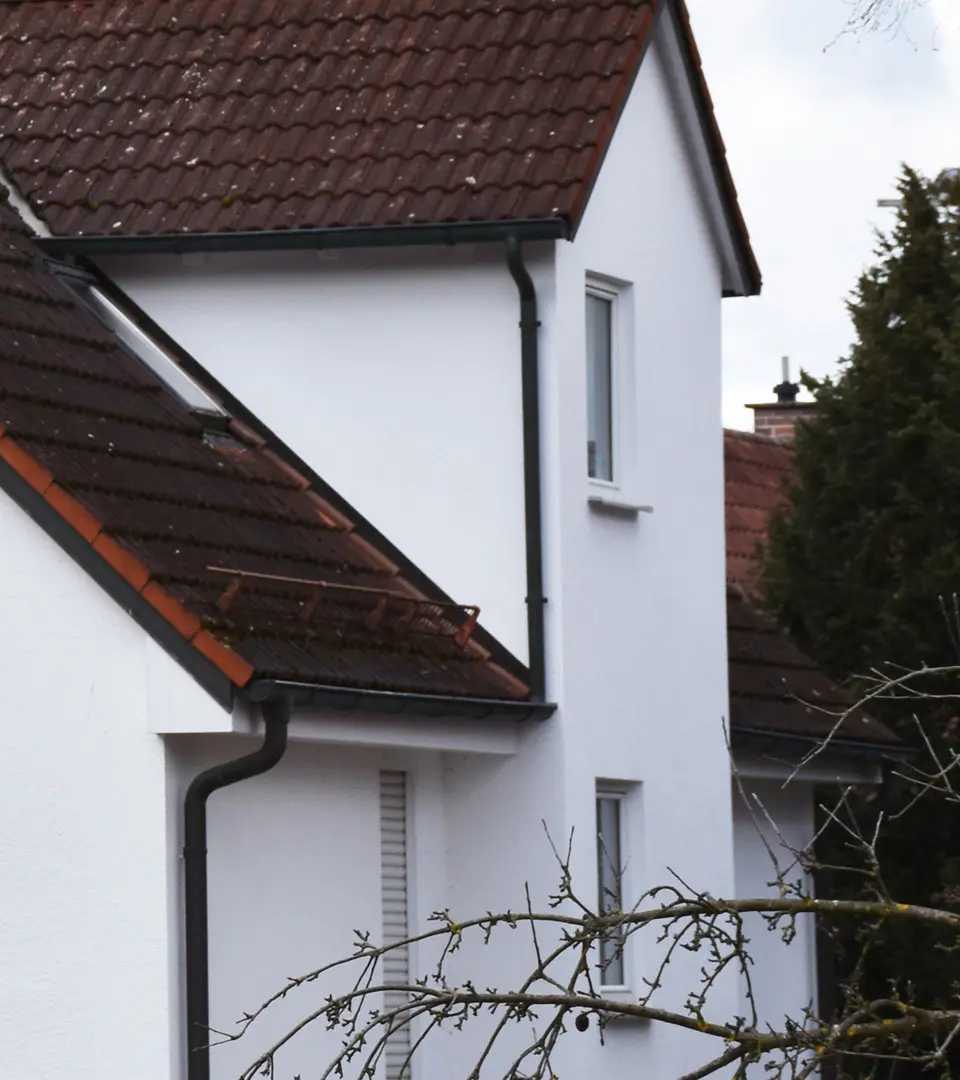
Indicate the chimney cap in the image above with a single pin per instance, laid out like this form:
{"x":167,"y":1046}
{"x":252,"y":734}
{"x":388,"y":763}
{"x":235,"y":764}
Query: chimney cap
{"x":787,"y":392}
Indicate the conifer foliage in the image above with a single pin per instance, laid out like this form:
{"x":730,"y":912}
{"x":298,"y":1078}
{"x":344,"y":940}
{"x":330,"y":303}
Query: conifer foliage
{"x":870,"y":538}
{"x":863,"y":561}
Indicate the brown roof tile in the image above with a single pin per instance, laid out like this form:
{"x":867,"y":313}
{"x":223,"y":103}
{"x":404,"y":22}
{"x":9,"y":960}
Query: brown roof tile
{"x":775,"y":689}
{"x":126,"y":117}
{"x":755,"y":468}
{"x":151,"y":116}
{"x":217,"y":531}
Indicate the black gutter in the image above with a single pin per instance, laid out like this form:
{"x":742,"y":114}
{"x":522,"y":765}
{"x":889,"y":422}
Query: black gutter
{"x":467,"y":232}
{"x":392,"y":702}
{"x":530,"y":389}
{"x":848,"y":749}
{"x":196,"y":927}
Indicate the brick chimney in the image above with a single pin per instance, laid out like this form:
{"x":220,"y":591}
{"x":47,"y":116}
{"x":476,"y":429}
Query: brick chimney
{"x":778,"y":418}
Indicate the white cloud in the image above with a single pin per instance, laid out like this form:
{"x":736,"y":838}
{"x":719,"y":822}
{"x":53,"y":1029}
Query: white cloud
{"x":816,"y":127}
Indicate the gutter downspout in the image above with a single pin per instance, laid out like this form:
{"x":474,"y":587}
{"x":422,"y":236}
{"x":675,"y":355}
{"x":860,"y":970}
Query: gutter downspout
{"x":530,"y":365}
{"x":196,"y":929}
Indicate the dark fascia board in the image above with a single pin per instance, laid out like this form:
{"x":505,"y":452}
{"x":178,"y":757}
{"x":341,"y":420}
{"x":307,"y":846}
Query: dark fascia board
{"x":499,"y":653}
{"x":438,"y":234}
{"x":391,"y":702}
{"x":714,"y":142}
{"x":144,"y":614}
{"x":851,"y":749}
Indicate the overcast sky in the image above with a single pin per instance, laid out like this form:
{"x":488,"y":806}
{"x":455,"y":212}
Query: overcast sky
{"x":816,"y":127}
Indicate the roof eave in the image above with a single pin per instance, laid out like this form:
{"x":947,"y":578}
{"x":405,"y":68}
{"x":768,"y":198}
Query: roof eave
{"x":851,"y":749}
{"x":446,"y":233}
{"x":744,"y":277}
{"x":391,"y":702}
{"x":208,"y":675}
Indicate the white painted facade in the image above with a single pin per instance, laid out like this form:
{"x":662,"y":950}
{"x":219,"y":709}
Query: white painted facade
{"x":84,"y":913}
{"x":397,"y":376}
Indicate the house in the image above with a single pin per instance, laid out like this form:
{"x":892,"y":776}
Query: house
{"x":343,"y":352}
{"x":782,"y":708}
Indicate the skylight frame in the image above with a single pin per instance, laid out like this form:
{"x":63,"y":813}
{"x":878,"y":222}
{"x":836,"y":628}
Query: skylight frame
{"x":157,"y":359}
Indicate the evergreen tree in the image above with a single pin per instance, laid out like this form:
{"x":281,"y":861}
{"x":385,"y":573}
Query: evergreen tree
{"x":863,"y":561}
{"x":870,"y":538}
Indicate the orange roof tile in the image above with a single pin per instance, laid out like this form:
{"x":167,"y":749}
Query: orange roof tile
{"x":214,"y":528}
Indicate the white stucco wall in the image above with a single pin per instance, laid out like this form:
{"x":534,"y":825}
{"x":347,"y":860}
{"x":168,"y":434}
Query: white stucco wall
{"x":83,"y":871}
{"x":638,"y":637}
{"x":397,"y":376}
{"x":294,"y":870}
{"x":783,"y":975}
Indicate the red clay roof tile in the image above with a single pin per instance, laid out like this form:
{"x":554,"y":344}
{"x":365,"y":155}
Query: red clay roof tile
{"x":774,"y":687}
{"x":188,"y":515}
{"x":164,"y":116}
{"x":149,"y":117}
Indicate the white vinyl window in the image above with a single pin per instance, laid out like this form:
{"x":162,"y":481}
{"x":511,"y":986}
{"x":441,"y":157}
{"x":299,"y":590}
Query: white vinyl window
{"x":601,"y":324}
{"x":610,"y":872}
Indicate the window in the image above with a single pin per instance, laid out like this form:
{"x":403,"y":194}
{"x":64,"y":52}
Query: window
{"x":601,"y":323}
{"x":610,"y":882}
{"x":396,"y":927}
{"x":142,"y":346}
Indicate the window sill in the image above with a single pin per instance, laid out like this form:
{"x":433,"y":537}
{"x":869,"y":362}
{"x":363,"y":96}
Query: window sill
{"x":614,"y":504}
{"x":622,"y":996}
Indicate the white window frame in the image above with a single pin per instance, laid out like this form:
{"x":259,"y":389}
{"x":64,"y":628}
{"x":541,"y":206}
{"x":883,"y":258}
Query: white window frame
{"x":612,"y":297}
{"x":620,"y":795}
{"x":620,"y":494}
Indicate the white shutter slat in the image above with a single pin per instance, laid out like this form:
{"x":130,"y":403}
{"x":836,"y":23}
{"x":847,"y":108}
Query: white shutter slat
{"x":393,"y":899}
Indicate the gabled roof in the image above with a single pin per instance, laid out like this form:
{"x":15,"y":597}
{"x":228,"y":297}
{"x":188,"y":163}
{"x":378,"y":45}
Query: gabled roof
{"x":146,"y":117}
{"x":775,"y":688}
{"x":212,"y":530}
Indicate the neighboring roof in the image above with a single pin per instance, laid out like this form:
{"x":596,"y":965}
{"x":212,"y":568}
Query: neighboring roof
{"x":145,"y":117}
{"x":775,"y":688}
{"x":215,"y":530}
{"x":755,"y":469}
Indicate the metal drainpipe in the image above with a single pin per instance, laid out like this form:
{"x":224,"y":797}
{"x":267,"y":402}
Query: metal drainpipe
{"x":196,"y":929}
{"x":529,"y":365}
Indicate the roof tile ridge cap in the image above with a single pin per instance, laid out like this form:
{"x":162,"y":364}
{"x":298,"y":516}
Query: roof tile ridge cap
{"x":329,"y":515}
{"x":123,"y":561}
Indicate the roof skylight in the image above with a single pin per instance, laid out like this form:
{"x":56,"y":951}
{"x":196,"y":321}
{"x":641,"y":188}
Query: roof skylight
{"x":160,"y":362}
